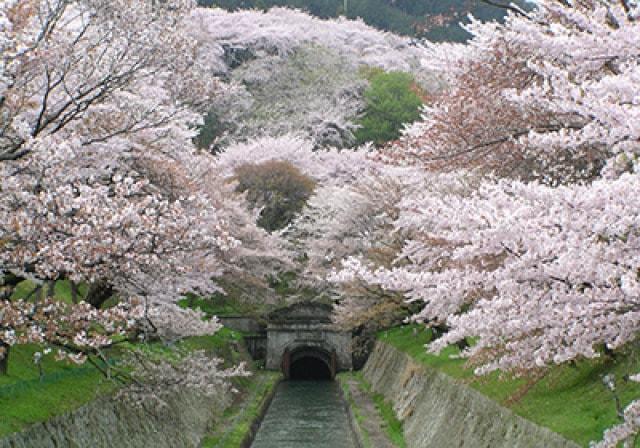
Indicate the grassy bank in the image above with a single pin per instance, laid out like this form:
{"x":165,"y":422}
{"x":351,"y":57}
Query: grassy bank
{"x":237,"y":420}
{"x":569,"y":399}
{"x":391,"y":425}
{"x":356,"y":411}
{"x":25,"y":398}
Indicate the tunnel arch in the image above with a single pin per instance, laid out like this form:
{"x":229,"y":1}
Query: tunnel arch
{"x":309,"y":363}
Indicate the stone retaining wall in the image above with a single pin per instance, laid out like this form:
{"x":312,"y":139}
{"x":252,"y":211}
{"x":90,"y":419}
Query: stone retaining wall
{"x":106,"y":423}
{"x":436,"y":411}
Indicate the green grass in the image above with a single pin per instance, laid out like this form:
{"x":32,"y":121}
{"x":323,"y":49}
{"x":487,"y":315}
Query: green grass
{"x":25,"y":399}
{"x":237,"y":420}
{"x":570,"y":399}
{"x":392,"y":426}
{"x":357,"y":413}
{"x":217,"y":305}
{"x":62,"y":290}
{"x":23,"y":289}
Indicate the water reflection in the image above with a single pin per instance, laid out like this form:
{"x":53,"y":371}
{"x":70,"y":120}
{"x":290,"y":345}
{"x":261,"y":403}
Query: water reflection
{"x":306,"y":414}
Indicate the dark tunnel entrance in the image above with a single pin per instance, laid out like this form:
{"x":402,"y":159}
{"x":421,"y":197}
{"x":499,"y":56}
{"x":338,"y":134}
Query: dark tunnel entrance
{"x":309,"y":363}
{"x":309,"y":369}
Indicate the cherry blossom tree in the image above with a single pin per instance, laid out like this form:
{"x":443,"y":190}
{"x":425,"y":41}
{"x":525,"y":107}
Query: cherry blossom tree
{"x":295,"y":73}
{"x":532,"y":249}
{"x":351,"y":220}
{"x":282,"y":30}
{"x":94,"y":98}
{"x":100,"y":179}
{"x":95,"y":77}
{"x":327,"y":166}
{"x":546,"y":96}
{"x":74,"y":332}
{"x":551,"y":272}
{"x":569,"y":277}
{"x":541,"y":227}
{"x":418,"y":264}
{"x":159,"y":378}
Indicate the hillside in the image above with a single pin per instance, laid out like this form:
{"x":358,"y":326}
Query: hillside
{"x":431,"y":19}
{"x":295,"y":73}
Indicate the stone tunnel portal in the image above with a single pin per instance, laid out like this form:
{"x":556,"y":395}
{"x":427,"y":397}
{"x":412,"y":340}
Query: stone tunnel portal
{"x":304,"y":344}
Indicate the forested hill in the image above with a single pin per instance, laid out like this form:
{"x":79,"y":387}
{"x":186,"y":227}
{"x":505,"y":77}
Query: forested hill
{"x":436,"y":20}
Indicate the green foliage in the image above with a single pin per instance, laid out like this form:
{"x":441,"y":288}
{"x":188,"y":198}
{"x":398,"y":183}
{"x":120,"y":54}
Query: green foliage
{"x":391,"y":101}
{"x":277,"y":187}
{"x":24,"y":290}
{"x":569,"y":399}
{"x":63,"y":290}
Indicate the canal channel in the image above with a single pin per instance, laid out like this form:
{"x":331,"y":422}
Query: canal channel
{"x":306,"y":414}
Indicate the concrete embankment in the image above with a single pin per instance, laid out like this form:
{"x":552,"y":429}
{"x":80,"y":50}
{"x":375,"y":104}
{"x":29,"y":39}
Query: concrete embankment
{"x":437,"y":411}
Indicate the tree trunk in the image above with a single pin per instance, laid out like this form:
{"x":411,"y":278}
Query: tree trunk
{"x":8,"y":285}
{"x":10,"y":279}
{"x":35,"y":293}
{"x":74,"y":292}
{"x":51,"y":289}
{"x":4,"y":360}
{"x":438,"y":331}
{"x":463,"y":344}
{"x":98,"y":293}
{"x":41,"y":293}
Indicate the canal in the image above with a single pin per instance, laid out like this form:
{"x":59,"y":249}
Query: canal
{"x":306,"y":414}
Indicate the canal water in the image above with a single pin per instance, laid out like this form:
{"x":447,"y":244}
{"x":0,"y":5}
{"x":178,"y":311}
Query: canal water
{"x":306,"y":414}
